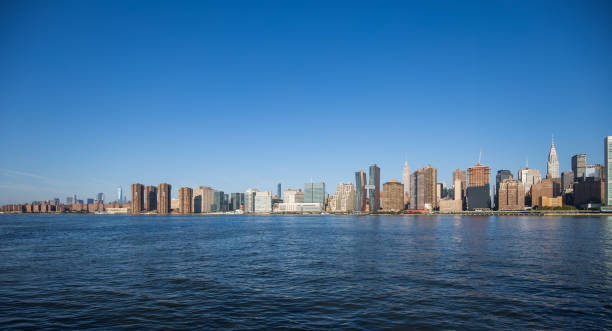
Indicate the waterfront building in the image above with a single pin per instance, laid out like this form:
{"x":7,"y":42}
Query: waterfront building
{"x":552,"y":202}
{"x":164,"y":196}
{"x":589,"y":191}
{"x":423,"y":189}
{"x":137,"y":198}
{"x":202,"y":199}
{"x":406,"y":182}
{"x":393,"y":196}
{"x":278,"y":190}
{"x":175,"y":204}
{"x":552,"y":166}
{"x":263,"y":202}
{"x":529,"y":177}
{"x":218,"y":203}
{"x":439,"y":192}
{"x":185,"y":200}
{"x":501,"y":175}
{"x":608,"y":170}
{"x":546,"y":188}
{"x":344,"y":199}
{"x":511,"y":195}
{"x":579,"y":167}
{"x":150,"y":198}
{"x":454,"y":204}
{"x":314,"y":193}
{"x":299,"y":207}
{"x":461,"y":175}
{"x":478,"y":190}
{"x":237,"y":201}
{"x":249,"y":200}
{"x":567,"y":180}
{"x":374,"y":184}
{"x":293,"y":196}
{"x":360,"y":190}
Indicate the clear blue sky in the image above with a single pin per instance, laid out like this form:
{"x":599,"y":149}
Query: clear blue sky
{"x":239,"y":94}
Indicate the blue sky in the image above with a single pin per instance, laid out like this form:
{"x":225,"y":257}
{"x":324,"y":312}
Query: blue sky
{"x":239,"y":94}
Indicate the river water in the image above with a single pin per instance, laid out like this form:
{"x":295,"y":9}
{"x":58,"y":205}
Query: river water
{"x":308,"y":272}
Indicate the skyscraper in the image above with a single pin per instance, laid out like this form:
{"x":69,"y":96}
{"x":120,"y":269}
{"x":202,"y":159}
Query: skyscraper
{"x":431,"y":186}
{"x":552,"y":167}
{"x":461,"y":175}
{"x":567,"y":179}
{"x":501,"y":175}
{"x":100,"y":197}
{"x":278,"y":190}
{"x":344,"y":198}
{"x":202,"y":199}
{"x":406,"y":182}
{"x":119,"y":195}
{"x":529,"y":177}
{"x":185,"y":200}
{"x":150,"y":198}
{"x":218,"y":201}
{"x":478,"y":190}
{"x":164,"y":192}
{"x":360,"y":190}
{"x":374,"y":186}
{"x":393,"y":196}
{"x":579,"y":167}
{"x":314,"y":193}
{"x":608,"y":170}
{"x":511,"y":195}
{"x":249,"y":200}
{"x":137,"y":198}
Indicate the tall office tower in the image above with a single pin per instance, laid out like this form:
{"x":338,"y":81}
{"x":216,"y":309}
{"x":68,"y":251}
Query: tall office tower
{"x":137,"y":198}
{"x":608,"y":171}
{"x":164,"y":199}
{"x":278,"y":190}
{"x":150,"y":198}
{"x":249,"y":200}
{"x":314,"y":193}
{"x":74,"y":198}
{"x":393,"y":196}
{"x":567,"y":180}
{"x":461,"y":175}
{"x":552,"y":167}
{"x":360,"y":190}
{"x":511,"y":195}
{"x":374,"y":187}
{"x":579,"y":167}
{"x":185,"y":200}
{"x":501,"y":175}
{"x":237,"y":200}
{"x":430,"y":189}
{"x":119,"y":194}
{"x":202,"y":199}
{"x":263,"y":202}
{"x":479,"y":191}
{"x":406,"y":182}
{"x":69,"y":200}
{"x":100,"y":197}
{"x":529,"y":177}
{"x":218,"y":201}
{"x":417,"y":190}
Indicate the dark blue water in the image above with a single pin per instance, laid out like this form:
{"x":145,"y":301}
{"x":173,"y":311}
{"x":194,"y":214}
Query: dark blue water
{"x":80,"y":271}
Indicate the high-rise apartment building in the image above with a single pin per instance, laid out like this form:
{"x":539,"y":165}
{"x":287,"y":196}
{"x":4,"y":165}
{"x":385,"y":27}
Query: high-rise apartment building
{"x":406,"y":182}
{"x":137,"y":198}
{"x":164,"y":198}
{"x":431,"y":188}
{"x":579,"y":164}
{"x":393,"y":196}
{"x":202,"y":199}
{"x":263,"y":202}
{"x":608,"y":171}
{"x":344,"y":199}
{"x":511,"y":195}
{"x":501,"y":175}
{"x":218,"y":201}
{"x":423,"y":188}
{"x":293,"y":196}
{"x":360,"y":190}
{"x":544,"y":189}
{"x":314,"y":193}
{"x":552,"y":166}
{"x":249,"y":200}
{"x":150,"y":198}
{"x":237,"y":200}
{"x":461,"y":175}
{"x":185,"y":200}
{"x":374,"y":187}
{"x":479,"y":191}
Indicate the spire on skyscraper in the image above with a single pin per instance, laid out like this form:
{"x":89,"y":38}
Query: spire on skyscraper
{"x":552,"y":168}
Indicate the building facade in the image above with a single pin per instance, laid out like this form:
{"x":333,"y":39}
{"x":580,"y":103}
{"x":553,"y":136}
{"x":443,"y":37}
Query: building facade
{"x":360,"y":190}
{"x":202,"y":199}
{"x":137,"y":198}
{"x":185,"y":200}
{"x":511,"y":195}
{"x":164,"y":198}
{"x":393,"y":196}
{"x":479,"y":191}
{"x":263,"y":202}
{"x":501,"y":175}
{"x":150,"y":196}
{"x":374,"y":192}
{"x":579,"y":167}
{"x":567,"y":181}
{"x":218,"y":204}
{"x":552,"y":166}
{"x":406,"y":182}
{"x":608,"y":170}
{"x":314,"y":193}
{"x":529,"y":177}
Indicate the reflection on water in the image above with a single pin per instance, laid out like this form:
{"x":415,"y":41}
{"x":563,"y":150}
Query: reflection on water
{"x":79,"y":271}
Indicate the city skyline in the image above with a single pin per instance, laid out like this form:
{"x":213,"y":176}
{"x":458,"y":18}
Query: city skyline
{"x":108,"y":106}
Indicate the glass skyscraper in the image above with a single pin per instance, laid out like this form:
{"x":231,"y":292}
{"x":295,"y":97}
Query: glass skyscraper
{"x":314,"y":193}
{"x":360,"y":191}
{"x":375,"y":191}
{"x":608,"y":170}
